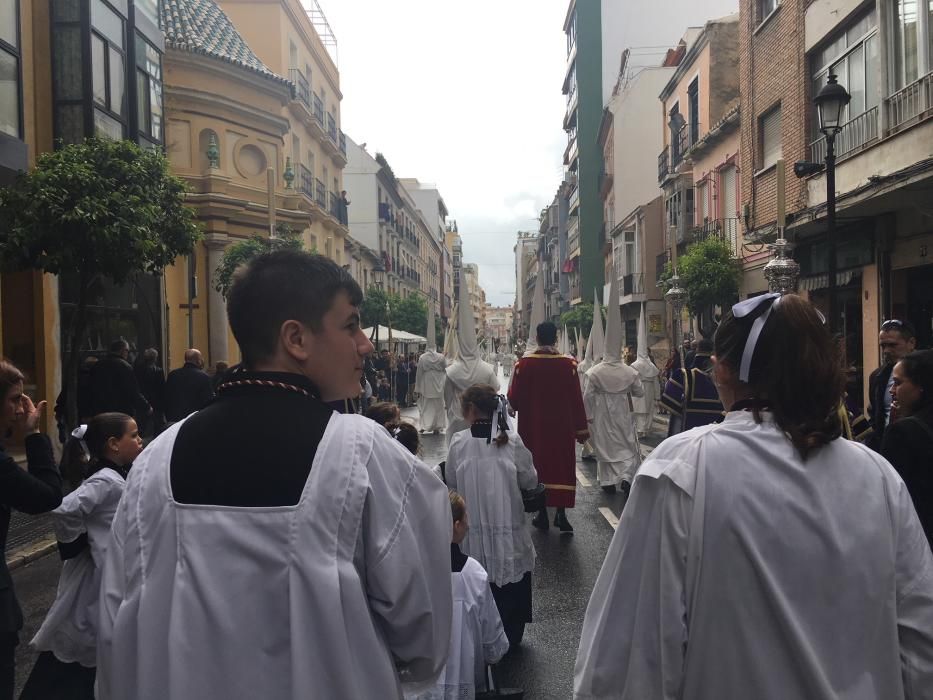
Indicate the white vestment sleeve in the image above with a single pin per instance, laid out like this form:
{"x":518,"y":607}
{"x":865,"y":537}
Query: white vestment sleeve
{"x":406,"y":536}
{"x":69,"y":521}
{"x":495,"y":643}
{"x":112,"y":594}
{"x":524,"y":464}
{"x":638,"y":389}
{"x":634,"y":635}
{"x":589,"y":401}
{"x":914,"y":572}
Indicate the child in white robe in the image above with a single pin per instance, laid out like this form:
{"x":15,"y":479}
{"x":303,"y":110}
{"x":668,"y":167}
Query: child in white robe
{"x":476,"y":635}
{"x":490,"y":466}
{"x":67,"y":640}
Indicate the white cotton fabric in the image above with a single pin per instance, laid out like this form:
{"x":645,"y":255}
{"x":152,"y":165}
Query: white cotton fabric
{"x":477,"y":637}
{"x":645,"y":406}
{"x":490,"y":479}
{"x":429,"y":385}
{"x":610,"y":388}
{"x":739,"y":571}
{"x":335,"y":597}
{"x":69,"y":630}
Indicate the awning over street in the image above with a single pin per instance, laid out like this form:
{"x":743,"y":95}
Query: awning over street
{"x":397,"y":336}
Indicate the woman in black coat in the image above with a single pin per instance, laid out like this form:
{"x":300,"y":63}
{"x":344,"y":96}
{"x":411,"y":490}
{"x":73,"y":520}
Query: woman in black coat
{"x":36,"y":491}
{"x":908,"y":441}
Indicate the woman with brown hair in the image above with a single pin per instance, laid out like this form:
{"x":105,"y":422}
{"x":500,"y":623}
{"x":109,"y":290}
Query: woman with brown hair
{"x":764,"y":557}
{"x":36,"y":491}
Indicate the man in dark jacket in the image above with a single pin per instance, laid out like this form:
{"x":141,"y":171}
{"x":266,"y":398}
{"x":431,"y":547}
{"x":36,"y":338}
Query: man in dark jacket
{"x":151,"y":378}
{"x":897,"y":339}
{"x":36,"y":491}
{"x":114,"y":384}
{"x":188,"y":388}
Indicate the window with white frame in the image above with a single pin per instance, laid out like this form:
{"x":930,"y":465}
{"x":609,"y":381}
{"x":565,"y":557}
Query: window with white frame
{"x":629,"y":252}
{"x":765,"y":8}
{"x":769,"y":130}
{"x":702,"y":193}
{"x":9,"y":69}
{"x":851,"y":55}
{"x":911,"y":30}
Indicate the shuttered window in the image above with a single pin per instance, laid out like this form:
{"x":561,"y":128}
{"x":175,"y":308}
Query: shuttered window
{"x":770,"y":131}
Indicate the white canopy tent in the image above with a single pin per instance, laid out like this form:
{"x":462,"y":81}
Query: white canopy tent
{"x":398,"y":336}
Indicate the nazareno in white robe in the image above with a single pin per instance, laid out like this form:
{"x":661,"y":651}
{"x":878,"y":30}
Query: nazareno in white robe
{"x":429,"y":385}
{"x":739,"y":571}
{"x":645,"y":406}
{"x":610,"y":386}
{"x":490,"y":479}
{"x":69,"y":630}
{"x":477,"y":637}
{"x":336,"y":597}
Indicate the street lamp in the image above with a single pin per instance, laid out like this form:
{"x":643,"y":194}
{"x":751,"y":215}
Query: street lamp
{"x":676,"y":296}
{"x":830,"y":105}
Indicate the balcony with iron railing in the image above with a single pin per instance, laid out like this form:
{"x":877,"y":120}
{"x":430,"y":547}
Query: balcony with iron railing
{"x":664,"y":164}
{"x":320,"y":194}
{"x":302,"y":86}
{"x":318,"y":108}
{"x":306,"y":182}
{"x":332,"y":127}
{"x":854,"y":135}
{"x":911,"y":104}
{"x":343,"y":144}
{"x":725,"y":230}
{"x":334,"y":209}
{"x":574,"y":201}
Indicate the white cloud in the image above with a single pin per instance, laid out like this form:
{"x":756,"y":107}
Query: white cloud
{"x":466,"y":95}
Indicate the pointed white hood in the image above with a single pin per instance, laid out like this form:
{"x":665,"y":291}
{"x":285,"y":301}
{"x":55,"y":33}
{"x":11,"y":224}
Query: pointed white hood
{"x":450,"y":340}
{"x":537,"y":315}
{"x":469,"y":368}
{"x":579,"y":338}
{"x":643,"y":364}
{"x":612,"y":351}
{"x":431,"y":360}
{"x":612,"y":375}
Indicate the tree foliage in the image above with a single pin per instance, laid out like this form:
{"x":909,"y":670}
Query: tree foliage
{"x":97,"y":209}
{"x":409,"y":314}
{"x":242,"y":252}
{"x":579,"y":318}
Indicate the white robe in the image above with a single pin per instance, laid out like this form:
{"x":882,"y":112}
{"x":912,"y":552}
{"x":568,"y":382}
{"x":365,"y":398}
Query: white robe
{"x":460,"y":377}
{"x":325,"y":599}
{"x":429,"y":385}
{"x":490,"y":479}
{"x":610,"y":386}
{"x":477,"y":637}
{"x":738,"y":571}
{"x":646,"y":406}
{"x":69,"y":630}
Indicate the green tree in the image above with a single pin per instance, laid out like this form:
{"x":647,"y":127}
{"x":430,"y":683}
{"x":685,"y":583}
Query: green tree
{"x":711,"y":275}
{"x":98,"y":209}
{"x":411,"y":315}
{"x":579,"y":318}
{"x":241,"y":253}
{"x":373,"y":309}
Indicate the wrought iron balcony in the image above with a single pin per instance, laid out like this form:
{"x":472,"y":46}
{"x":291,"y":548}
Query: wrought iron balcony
{"x":855,"y":133}
{"x":661,"y":263}
{"x":302,"y":86}
{"x":343,"y":144}
{"x":306,"y":182}
{"x":332,"y":127}
{"x":664,"y":164}
{"x":320,"y":194}
{"x":318,"y":107}
{"x":633,"y":283}
{"x":725,"y":230}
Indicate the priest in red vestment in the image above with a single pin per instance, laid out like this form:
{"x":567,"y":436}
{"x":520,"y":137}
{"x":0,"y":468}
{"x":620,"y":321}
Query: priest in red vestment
{"x":545,"y":391}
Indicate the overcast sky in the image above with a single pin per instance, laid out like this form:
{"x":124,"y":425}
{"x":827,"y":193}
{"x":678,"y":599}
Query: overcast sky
{"x":466,"y":94}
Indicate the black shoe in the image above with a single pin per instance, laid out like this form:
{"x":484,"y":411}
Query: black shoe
{"x":561,"y":522}
{"x":540,"y":520}
{"x":625,"y":487}
{"x":611,"y":488}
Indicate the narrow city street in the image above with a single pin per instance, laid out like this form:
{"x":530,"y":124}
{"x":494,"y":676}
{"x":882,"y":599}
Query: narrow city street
{"x":566,"y":568}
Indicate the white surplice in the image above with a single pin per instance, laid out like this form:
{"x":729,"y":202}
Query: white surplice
{"x":739,"y":571}
{"x":645,"y":406}
{"x":610,"y":386}
{"x":490,"y":479}
{"x":69,"y":630}
{"x":477,"y":637}
{"x":321,"y":600}
{"x":429,"y":385}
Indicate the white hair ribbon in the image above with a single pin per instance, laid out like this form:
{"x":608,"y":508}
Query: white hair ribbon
{"x":743,"y":309}
{"x":498,"y":418}
{"x":78,"y":433}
